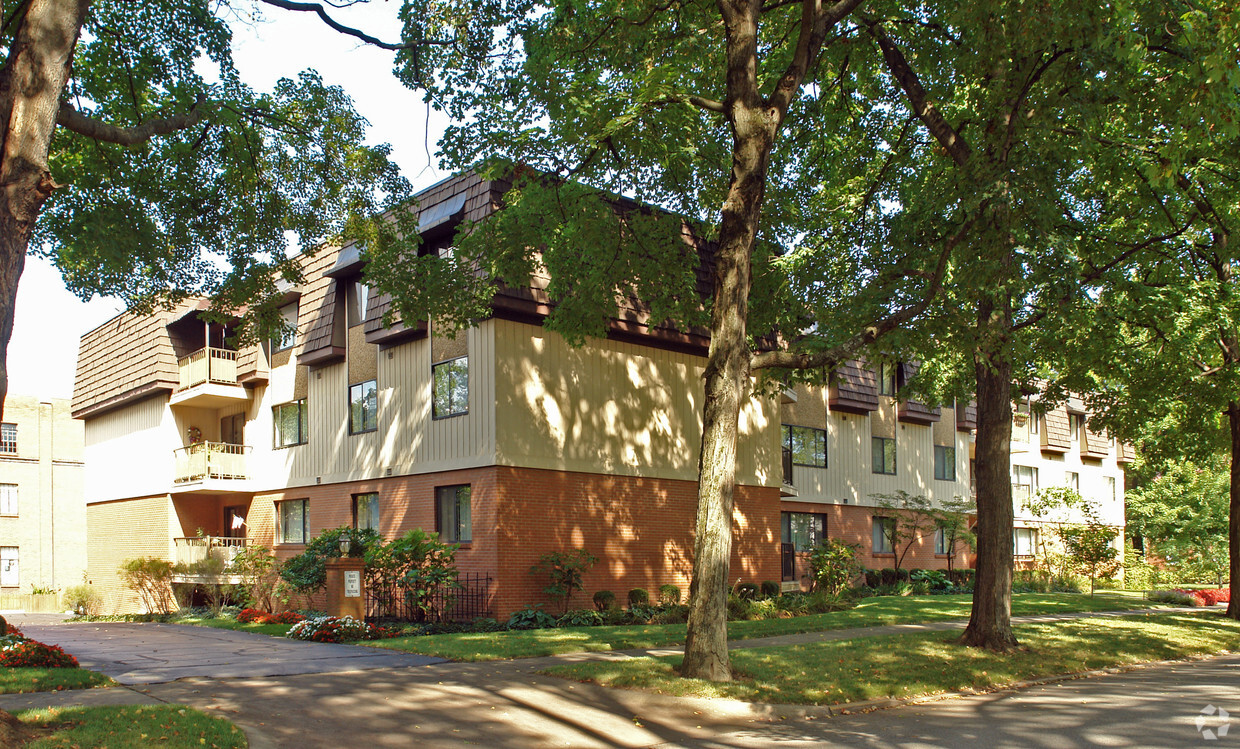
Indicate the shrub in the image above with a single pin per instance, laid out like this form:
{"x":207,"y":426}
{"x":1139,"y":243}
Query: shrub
{"x":415,"y":567}
{"x":764,"y":609}
{"x":260,"y":573}
{"x":251,"y":615}
{"x":336,"y":629}
{"x":307,"y":572}
{"x":676,"y":613}
{"x":1208,"y":597}
{"x":748,"y":591}
{"x":1174,"y":597}
{"x":83,"y":600}
{"x":769,"y":588}
{"x":213,"y":581}
{"x":738,"y":608}
{"x":638,"y":597}
{"x":566,"y":571}
{"x":4,"y":626}
{"x":151,"y":579}
{"x":794,"y":603}
{"x":604,"y":599}
{"x":13,"y":631}
{"x":580,"y":618}
{"x":640,"y":613}
{"x":669,"y":594}
{"x":287,"y":617}
{"x":834,"y":564}
{"x":23,"y":653}
{"x":935,"y":580}
{"x":821,"y":602}
{"x":486,"y":624}
{"x":531,"y":617}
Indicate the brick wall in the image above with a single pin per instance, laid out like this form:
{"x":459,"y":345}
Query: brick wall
{"x":120,"y":530}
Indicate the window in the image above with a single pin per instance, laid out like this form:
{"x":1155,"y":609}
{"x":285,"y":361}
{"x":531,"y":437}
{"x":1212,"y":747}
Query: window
{"x":294,"y":521}
{"x":452,"y":510}
{"x":1024,"y":541}
{"x":887,"y":379}
{"x":366,"y":511}
{"x":8,"y":499}
{"x":804,"y":530}
{"x":8,"y":567}
{"x":363,"y":407}
{"x":290,"y":423}
{"x":808,"y":445}
{"x":1075,"y":422}
{"x":1072,"y":480}
{"x":883,"y":455}
{"x":1025,"y":476}
{"x":450,"y":380}
{"x":944,"y":463}
{"x":288,"y":330}
{"x":357,"y":299}
{"x":1111,"y":487}
{"x":8,"y":438}
{"x":941,"y":546}
{"x":884,"y":530}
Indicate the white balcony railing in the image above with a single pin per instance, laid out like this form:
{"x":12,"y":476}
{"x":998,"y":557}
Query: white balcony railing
{"x":196,"y":549}
{"x":208,"y":365}
{"x":210,"y":460}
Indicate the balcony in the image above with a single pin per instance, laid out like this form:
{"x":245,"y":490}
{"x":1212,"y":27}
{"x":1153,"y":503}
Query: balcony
{"x":200,"y":548}
{"x":786,"y":489}
{"x":208,"y":379}
{"x":212,"y":466}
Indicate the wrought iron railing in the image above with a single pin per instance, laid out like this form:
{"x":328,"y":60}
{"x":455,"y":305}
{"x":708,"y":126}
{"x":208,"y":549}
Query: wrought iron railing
{"x":208,"y":365}
{"x":468,"y":600}
{"x":210,"y":460}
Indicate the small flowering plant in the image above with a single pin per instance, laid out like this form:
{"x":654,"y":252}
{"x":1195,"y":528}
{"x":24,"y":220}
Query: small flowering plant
{"x":18,"y":652}
{"x":336,"y":629}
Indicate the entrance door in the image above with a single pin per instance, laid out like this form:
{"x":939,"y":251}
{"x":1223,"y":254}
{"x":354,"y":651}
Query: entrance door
{"x":232,"y":429}
{"x":234,"y":521}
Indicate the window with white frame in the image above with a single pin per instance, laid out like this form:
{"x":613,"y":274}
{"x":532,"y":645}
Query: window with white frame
{"x":9,"y":577}
{"x":8,"y":499}
{"x":357,"y":298}
{"x":944,"y":463}
{"x":294,"y":521}
{"x":1072,"y":480}
{"x":288,"y":328}
{"x":363,"y":407}
{"x":1076,"y":422}
{"x":8,"y":438}
{"x":452,"y":511}
{"x":1024,"y":541}
{"x":807,"y":444}
{"x":883,"y":535}
{"x":290,"y":424}
{"x":450,"y":380}
{"x":1111,"y":487}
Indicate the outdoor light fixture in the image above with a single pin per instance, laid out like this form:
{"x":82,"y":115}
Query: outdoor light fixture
{"x":345,"y":543}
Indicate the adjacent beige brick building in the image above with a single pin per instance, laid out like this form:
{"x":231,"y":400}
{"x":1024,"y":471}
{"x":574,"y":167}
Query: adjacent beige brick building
{"x":42,"y":511}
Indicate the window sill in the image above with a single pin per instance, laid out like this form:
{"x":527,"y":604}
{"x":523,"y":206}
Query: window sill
{"x":294,"y":444}
{"x":884,"y":554}
{"x":450,"y":416}
{"x":361,"y":431}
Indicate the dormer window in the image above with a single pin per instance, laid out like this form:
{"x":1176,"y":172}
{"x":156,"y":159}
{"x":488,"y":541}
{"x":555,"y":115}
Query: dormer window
{"x":357,"y":298}
{"x":887,"y":379}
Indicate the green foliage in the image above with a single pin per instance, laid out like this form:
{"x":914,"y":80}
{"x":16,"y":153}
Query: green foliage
{"x":1138,"y":573}
{"x":580,"y":618}
{"x":211,"y":578}
{"x":1173,"y":597}
{"x":260,"y":573}
{"x":1091,"y":549}
{"x":151,"y":579}
{"x":916,"y":519}
{"x":531,"y":617}
{"x":307,"y":572}
{"x":769,"y":588}
{"x":834,"y":564}
{"x":1183,"y":516}
{"x":638,"y":597}
{"x":747,"y":591}
{"x":669,"y":594}
{"x":566,"y":571}
{"x":604,"y":600}
{"x":417,"y":564}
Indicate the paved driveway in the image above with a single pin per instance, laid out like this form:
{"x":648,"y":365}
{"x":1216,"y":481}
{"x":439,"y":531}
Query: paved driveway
{"x":155,"y":653}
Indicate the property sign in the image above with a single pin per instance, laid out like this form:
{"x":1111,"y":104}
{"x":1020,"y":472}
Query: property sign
{"x":352,"y":584}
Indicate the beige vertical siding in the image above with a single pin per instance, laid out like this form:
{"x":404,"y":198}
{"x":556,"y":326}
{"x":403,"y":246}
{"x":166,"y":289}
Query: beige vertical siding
{"x":129,"y":450}
{"x":612,"y":407}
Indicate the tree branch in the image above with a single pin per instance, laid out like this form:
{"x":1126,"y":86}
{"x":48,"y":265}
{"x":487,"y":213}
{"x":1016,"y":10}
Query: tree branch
{"x":71,"y":119}
{"x":955,"y":144}
{"x":349,"y":30}
{"x":815,"y":23}
{"x":871,"y":333}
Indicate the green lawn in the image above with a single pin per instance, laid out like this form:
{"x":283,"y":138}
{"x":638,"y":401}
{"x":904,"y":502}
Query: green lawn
{"x":130,"y":727}
{"x":844,"y":671}
{"x":275,"y":630}
{"x":486,"y":646}
{"x":15,"y":680}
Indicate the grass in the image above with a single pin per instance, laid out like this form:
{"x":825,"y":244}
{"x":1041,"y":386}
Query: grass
{"x":130,"y":727}
{"x":909,"y":665}
{"x":275,"y":630}
{"x":486,"y":646}
{"x":18,"y":680}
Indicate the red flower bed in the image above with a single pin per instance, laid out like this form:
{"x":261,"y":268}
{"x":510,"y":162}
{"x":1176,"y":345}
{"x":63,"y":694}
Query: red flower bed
{"x":1210,"y":597}
{"x":288,"y":617}
{"x":15,"y":632}
{"x":32,"y":654}
{"x":251,"y":615}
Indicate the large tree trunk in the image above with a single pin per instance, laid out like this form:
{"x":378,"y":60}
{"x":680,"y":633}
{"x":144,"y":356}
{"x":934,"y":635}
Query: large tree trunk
{"x":31,"y":81}
{"x":990,"y":622}
{"x":1233,"y":526}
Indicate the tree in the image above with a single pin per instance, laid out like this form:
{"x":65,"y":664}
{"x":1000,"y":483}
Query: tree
{"x":1091,"y":550}
{"x":1080,"y":542}
{"x":914,"y":519}
{"x":135,"y":157}
{"x":699,"y":110}
{"x":1182,"y":517}
{"x":953,"y":521}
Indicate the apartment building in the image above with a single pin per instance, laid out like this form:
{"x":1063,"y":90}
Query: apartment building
{"x":42,"y":516}
{"x":503,"y":439}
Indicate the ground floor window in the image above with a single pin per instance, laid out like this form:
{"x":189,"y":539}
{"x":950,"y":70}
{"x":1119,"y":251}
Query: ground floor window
{"x":1024,"y":541}
{"x":8,"y":499}
{"x":8,"y":567}
{"x":884,"y":532}
{"x":452,"y":508}
{"x":294,"y":521}
{"x":366,"y":511}
{"x":804,"y":530}
{"x":941,"y":545}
